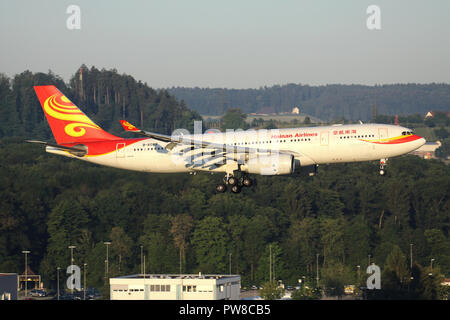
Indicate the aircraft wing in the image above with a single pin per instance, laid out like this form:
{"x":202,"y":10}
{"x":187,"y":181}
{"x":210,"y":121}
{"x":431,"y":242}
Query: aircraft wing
{"x":217,"y":151}
{"x":187,"y":140}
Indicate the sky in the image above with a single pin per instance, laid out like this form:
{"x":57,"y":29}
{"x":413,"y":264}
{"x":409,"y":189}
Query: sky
{"x":233,"y":43}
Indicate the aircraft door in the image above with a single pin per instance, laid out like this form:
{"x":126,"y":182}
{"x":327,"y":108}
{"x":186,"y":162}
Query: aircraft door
{"x":120,"y":150}
{"x":324,"y":137}
{"x":383,"y":134}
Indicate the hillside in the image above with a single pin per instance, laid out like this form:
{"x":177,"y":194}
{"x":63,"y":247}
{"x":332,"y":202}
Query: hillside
{"x":104,"y":95}
{"x":329,"y":102}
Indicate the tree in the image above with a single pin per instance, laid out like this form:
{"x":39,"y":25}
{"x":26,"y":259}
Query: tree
{"x":335,"y":277}
{"x":439,"y":247}
{"x":181,"y":230}
{"x":441,"y":133}
{"x":396,"y":263}
{"x":271,"y":291}
{"x":307,"y":120}
{"x":120,"y":243}
{"x":332,"y":240}
{"x":210,"y":243}
{"x":255,"y":237}
{"x":270,"y":265}
{"x":234,"y":119}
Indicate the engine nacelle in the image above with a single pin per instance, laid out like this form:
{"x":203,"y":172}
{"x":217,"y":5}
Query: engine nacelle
{"x":274,"y":164}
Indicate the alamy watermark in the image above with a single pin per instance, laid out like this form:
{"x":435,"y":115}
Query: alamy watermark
{"x":73,"y":22}
{"x":374,"y":280}
{"x":74,"y":280}
{"x":373,"y":21}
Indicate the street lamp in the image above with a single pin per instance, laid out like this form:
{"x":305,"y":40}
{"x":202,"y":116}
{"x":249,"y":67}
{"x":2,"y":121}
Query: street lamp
{"x":71,"y":262}
{"x":317,"y":269}
{"x":230,"y":262}
{"x":107,"y":243}
{"x":359,"y":273}
{"x":57,"y":279}
{"x":26,"y":252}
{"x":411,"y":254}
{"x":142,"y":253}
{"x":84,"y":294}
{"x":71,"y":254}
{"x":431,"y":267}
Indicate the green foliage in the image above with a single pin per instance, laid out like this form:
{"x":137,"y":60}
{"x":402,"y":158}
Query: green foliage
{"x":104,"y":95}
{"x":271,"y":291}
{"x":308,"y":291}
{"x":234,"y":119}
{"x":396,"y":264}
{"x":210,"y":244}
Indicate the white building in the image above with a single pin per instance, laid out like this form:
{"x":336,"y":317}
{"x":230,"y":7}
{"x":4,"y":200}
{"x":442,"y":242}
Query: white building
{"x":175,"y":287}
{"x":428,"y":150}
{"x":8,"y":286}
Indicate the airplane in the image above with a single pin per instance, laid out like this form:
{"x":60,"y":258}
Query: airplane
{"x":237,"y":153}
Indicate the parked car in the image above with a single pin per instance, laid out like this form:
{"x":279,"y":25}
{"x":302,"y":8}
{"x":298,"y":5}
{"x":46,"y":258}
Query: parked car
{"x":38,"y":293}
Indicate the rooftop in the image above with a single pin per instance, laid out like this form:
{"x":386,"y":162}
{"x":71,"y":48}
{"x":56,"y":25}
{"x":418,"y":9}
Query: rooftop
{"x":179,"y":276}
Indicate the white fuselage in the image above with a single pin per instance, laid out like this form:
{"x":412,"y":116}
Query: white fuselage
{"x":308,"y":145}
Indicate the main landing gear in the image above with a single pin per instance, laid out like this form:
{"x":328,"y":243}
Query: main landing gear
{"x":234,"y":183}
{"x":383,"y":163}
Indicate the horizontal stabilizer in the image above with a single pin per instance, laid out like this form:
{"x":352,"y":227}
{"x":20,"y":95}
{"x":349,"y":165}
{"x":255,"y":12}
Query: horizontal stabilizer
{"x":128,"y":126}
{"x":76,"y":150}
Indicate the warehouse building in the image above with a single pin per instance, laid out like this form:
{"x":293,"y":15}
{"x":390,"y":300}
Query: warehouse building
{"x":175,"y":287}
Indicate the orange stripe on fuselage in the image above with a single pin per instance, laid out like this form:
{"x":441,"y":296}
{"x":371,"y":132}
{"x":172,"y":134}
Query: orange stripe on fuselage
{"x":395,"y":140}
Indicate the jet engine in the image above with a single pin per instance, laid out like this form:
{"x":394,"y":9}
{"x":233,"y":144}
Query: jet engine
{"x":274,"y":164}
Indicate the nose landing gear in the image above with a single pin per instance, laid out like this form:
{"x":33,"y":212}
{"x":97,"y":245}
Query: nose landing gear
{"x":383,"y":163}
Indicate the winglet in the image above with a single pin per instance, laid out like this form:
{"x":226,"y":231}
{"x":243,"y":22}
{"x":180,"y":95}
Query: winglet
{"x":128,"y":126}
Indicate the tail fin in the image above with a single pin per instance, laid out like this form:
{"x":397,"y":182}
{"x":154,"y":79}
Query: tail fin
{"x":68,"y":123}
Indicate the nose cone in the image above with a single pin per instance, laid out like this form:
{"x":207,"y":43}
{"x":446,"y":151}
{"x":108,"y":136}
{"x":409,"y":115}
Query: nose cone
{"x":418,"y":141}
{"x":422,"y":141}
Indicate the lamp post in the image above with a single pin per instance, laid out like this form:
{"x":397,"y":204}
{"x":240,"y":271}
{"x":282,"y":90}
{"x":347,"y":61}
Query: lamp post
{"x":84,"y":285}
{"x":71,"y":254}
{"x":411,"y":254}
{"x":142,"y":248}
{"x":359,"y":273}
{"x":431,"y":267}
{"x":71,"y":263}
{"x":230,"y":262}
{"x":270,"y":263}
{"x":317,"y":269}
{"x":57,"y":280}
{"x":107,"y":243}
{"x":26,"y":252}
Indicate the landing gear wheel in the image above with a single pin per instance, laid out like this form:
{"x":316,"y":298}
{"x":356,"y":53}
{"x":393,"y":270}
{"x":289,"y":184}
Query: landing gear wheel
{"x":221,"y":188}
{"x":232,"y":181}
{"x":235,"y":188}
{"x":247,"y":182}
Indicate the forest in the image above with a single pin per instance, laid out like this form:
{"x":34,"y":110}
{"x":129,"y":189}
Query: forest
{"x":337,"y":222}
{"x":327,"y":102}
